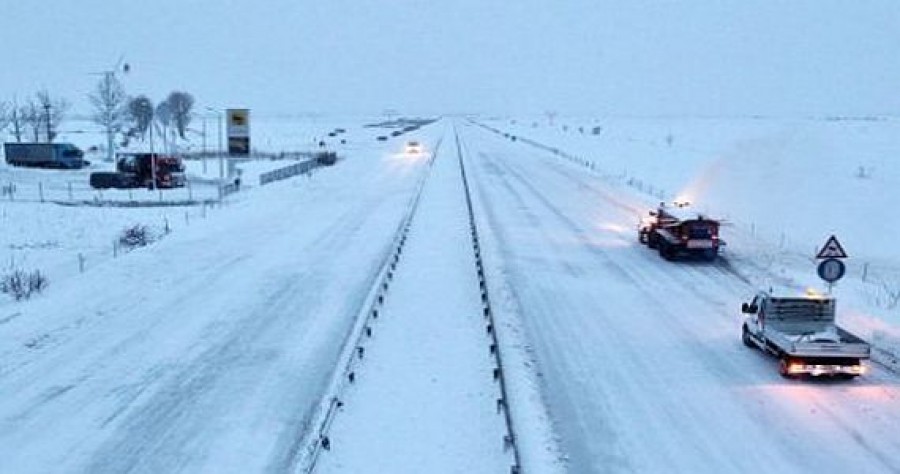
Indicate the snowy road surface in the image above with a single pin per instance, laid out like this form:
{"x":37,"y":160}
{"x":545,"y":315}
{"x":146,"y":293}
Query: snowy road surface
{"x":641,"y":360}
{"x":207,"y":351}
{"x":210,"y":350}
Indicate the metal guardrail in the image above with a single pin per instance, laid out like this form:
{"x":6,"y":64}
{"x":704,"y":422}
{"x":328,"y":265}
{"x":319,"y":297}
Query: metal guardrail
{"x":354,"y":350}
{"x":287,"y":172}
{"x":510,"y":440}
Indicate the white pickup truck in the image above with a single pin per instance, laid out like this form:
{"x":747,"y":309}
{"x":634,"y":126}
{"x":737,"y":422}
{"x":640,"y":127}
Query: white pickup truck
{"x":801,"y":332}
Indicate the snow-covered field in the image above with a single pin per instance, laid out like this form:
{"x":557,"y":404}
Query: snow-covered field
{"x":212,"y":349}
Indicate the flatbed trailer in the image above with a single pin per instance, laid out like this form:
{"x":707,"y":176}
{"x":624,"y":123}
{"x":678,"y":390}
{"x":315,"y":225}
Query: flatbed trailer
{"x":802,"y":333}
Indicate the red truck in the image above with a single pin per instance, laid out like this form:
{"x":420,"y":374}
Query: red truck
{"x":142,"y":170}
{"x":677,"y":231}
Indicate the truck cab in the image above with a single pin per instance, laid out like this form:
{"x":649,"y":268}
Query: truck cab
{"x":144,"y":168}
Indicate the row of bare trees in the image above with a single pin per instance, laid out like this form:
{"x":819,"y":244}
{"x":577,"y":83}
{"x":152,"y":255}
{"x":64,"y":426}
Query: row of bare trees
{"x":136,"y":117}
{"x":118,"y":114}
{"x":174,"y":113}
{"x":36,"y":119}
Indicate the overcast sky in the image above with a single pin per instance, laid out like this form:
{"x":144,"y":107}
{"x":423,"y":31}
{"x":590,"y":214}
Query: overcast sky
{"x":594,"y":57}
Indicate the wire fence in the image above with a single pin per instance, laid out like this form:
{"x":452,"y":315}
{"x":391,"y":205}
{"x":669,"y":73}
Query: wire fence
{"x":73,"y":192}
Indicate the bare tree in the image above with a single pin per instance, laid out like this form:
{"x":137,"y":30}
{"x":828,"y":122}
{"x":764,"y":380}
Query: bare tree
{"x":4,"y":115}
{"x":140,"y":110}
{"x":52,"y":112}
{"x":108,"y":100}
{"x":16,"y":120}
{"x":181,"y":105}
{"x":163,"y":116}
{"x":32,"y":119}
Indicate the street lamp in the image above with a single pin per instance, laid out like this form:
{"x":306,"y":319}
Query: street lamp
{"x":219,"y":116}
{"x":108,"y":77}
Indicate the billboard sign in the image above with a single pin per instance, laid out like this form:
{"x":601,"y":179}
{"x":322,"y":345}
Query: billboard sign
{"x":238,"y":129}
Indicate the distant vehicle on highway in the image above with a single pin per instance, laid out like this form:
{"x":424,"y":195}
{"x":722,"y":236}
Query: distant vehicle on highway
{"x":413,"y":148}
{"x":45,"y":155}
{"x":382,"y":138}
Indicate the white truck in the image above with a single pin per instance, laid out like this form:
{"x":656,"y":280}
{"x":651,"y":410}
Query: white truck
{"x":802,"y":333}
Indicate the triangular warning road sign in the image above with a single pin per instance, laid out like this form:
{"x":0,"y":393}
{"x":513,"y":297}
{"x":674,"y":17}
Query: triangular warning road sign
{"x":832,"y":249}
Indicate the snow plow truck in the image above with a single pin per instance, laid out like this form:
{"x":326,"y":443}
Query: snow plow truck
{"x":677,"y":231}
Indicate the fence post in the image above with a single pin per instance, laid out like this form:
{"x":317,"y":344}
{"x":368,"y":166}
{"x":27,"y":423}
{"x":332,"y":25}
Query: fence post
{"x":41,"y":190}
{"x":80,"y":263}
{"x":71,"y":198}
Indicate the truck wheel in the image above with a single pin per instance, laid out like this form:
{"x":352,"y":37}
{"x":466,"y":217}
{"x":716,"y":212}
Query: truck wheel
{"x":642,"y":237}
{"x":666,"y":251}
{"x":652,"y":241}
{"x":745,"y":336}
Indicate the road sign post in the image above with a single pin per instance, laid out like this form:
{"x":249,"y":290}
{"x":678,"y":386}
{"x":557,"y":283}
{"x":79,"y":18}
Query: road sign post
{"x":831,"y":268}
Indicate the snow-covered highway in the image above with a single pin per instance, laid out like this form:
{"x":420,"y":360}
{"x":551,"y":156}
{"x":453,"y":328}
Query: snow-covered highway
{"x":641,"y":361}
{"x":208,"y":351}
{"x":215,"y":349}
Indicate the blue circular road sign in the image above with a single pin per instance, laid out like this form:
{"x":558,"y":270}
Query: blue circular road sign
{"x":831,"y":270}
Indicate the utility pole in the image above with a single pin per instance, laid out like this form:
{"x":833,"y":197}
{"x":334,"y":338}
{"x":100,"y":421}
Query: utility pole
{"x":47,"y":117}
{"x":221,"y":150}
{"x":108,"y":77}
{"x":153,"y":156}
{"x":204,"y":145}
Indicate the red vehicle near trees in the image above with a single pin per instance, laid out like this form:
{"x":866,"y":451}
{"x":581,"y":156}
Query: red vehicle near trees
{"x":142,"y":170}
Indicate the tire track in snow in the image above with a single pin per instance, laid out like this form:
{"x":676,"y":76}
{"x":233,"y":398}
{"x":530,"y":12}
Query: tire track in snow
{"x":187,"y":396}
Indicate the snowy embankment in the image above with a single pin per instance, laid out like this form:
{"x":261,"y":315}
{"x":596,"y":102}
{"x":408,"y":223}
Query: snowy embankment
{"x":204,"y":352}
{"x":783,"y":187}
{"x":51,"y":221}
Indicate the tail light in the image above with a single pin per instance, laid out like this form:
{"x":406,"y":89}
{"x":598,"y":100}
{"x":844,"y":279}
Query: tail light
{"x":796,"y":368}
